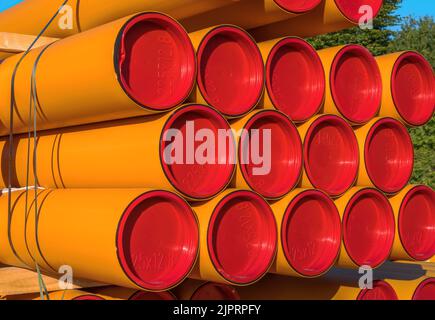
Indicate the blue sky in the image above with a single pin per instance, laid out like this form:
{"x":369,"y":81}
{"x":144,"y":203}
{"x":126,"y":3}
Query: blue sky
{"x":409,"y":7}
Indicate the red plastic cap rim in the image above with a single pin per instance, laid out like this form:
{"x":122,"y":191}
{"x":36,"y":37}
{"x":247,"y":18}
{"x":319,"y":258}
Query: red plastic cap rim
{"x":381,"y":230}
{"x":344,"y":98}
{"x":285,"y":171}
{"x":422,"y":109}
{"x":350,"y":9}
{"x":417,"y":224}
{"x":243,"y":48}
{"x":313,"y":88}
{"x":135,"y":76}
{"x":215,"y":291}
{"x":261,"y":255}
{"x":171,"y":233}
{"x":381,"y":291}
{"x":88,"y":297}
{"x":425,"y":290}
{"x":144,"y":295}
{"x":404,"y":160}
{"x":215,"y":177}
{"x":327,"y":244}
{"x":300,"y":6}
{"x":349,"y":176}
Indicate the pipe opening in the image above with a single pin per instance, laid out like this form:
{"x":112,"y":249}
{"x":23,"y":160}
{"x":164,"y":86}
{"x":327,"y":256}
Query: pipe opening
{"x":295,"y":79}
{"x":425,"y":290}
{"x":356,"y":84}
{"x":231,"y":72}
{"x":241,"y":237}
{"x":285,"y":163}
{"x":351,"y":9}
{"x":311,"y":233}
{"x":215,"y":291}
{"x":381,"y":291}
{"x":417,"y":223}
{"x":155,"y":61}
{"x":389,"y":155}
{"x":157,"y":240}
{"x":368,"y":228}
{"x":299,"y":6}
{"x":413,"y":88}
{"x":198,"y":175}
{"x":331,"y":155}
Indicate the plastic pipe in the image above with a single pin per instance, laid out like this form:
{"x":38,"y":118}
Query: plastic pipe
{"x":275,"y":287}
{"x":120,"y":293}
{"x":386,"y":155}
{"x":251,"y":13}
{"x":134,"y":66}
{"x":72,"y":295}
{"x":30,"y":16}
{"x":295,"y":81}
{"x":309,"y":232}
{"x":419,"y":289}
{"x":138,"y":243}
{"x":329,"y":16}
{"x":230,"y":70}
{"x":275,"y":177}
{"x":131,"y":153}
{"x":409,"y":87}
{"x":330,"y":154}
{"x":414,"y":209}
{"x":368,"y":228}
{"x":238,"y":238}
{"x":199,"y":290}
{"x":353,"y":83}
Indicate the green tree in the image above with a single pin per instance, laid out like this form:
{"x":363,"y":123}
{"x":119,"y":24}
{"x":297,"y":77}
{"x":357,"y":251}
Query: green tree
{"x":413,"y":34}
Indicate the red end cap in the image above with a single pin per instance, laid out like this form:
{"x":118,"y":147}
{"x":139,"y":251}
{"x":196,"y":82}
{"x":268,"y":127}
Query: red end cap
{"x":311,"y":233}
{"x":298,"y":6}
{"x":426,"y":290}
{"x":356,"y":84}
{"x":381,"y":291}
{"x":331,"y":155}
{"x":231,"y":71}
{"x":196,"y":134}
{"x":368,"y":228}
{"x":157,"y":240}
{"x":417,"y":223}
{"x":155,"y":61}
{"x":295,"y":79}
{"x":88,"y":297}
{"x":241,"y":237}
{"x":351,"y":9}
{"x":144,"y":295}
{"x":277,"y":176}
{"x":413,"y":88}
{"x":215,"y":291}
{"x":389,"y":155}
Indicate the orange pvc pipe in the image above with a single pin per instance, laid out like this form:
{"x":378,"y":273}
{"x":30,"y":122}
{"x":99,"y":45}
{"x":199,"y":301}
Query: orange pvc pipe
{"x":251,"y":13}
{"x":330,"y":154}
{"x":386,"y":155}
{"x":272,"y":178}
{"x":140,"y":233}
{"x":30,"y":16}
{"x":419,"y":289}
{"x":309,"y":231}
{"x":230,"y":70}
{"x":409,"y":87}
{"x":237,"y":238}
{"x":112,"y":81}
{"x":368,"y":228}
{"x":275,"y":287}
{"x":120,"y":293}
{"x":329,"y":16}
{"x":128,"y":154}
{"x":414,"y":209}
{"x":295,"y":80}
{"x":199,"y":290}
{"x":353,"y":83}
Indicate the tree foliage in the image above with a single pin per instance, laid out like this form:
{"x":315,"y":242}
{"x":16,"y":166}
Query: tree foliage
{"x":392,"y":33}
